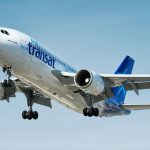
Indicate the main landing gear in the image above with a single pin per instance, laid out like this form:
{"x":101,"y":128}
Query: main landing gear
{"x":30,"y":114}
{"x":91,"y":112}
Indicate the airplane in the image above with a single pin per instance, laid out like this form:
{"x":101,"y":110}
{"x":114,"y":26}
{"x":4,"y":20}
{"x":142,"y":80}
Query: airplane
{"x":42,"y":76}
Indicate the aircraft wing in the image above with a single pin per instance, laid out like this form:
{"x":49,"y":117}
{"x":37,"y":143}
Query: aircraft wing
{"x":130,"y":82}
{"x":119,"y":79}
{"x":136,"y":107}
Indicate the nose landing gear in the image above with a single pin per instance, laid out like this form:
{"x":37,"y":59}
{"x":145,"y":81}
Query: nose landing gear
{"x":8,"y":82}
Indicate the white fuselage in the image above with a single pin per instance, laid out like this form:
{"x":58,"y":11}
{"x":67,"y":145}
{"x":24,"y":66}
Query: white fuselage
{"x":33,"y":63}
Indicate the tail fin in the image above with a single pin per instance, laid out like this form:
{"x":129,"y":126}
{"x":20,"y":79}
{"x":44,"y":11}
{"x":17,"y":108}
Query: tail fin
{"x":126,"y":66}
{"x":119,"y":92}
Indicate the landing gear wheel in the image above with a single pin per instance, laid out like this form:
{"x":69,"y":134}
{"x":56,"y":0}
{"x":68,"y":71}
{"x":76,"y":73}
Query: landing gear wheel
{"x":5,"y":83}
{"x":85,"y":111}
{"x":29,"y":115}
{"x":96,"y":112}
{"x":24,"y":114}
{"x":35,"y":115}
{"x":91,"y":112}
{"x":10,"y":82}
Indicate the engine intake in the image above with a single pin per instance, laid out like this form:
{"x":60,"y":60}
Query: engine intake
{"x":89,"y":82}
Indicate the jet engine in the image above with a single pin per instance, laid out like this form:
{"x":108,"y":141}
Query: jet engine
{"x":89,"y":82}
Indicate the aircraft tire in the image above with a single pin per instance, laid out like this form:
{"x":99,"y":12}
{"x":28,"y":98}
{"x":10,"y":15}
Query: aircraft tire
{"x":35,"y":115}
{"x":85,"y":111}
{"x":5,"y":83}
{"x":91,"y":112}
{"x":96,"y":112}
{"x":24,"y":114}
{"x":29,"y":115}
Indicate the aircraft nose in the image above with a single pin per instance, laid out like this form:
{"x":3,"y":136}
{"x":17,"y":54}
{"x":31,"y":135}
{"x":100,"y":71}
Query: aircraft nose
{"x":8,"y":38}
{"x":3,"y":41}
{"x":6,"y":42}
{"x":4,"y":34}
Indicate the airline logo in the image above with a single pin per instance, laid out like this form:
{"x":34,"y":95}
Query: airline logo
{"x":39,"y":52}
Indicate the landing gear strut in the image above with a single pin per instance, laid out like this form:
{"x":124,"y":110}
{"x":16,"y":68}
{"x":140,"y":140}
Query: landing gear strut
{"x":30,"y":114}
{"x":91,"y":112}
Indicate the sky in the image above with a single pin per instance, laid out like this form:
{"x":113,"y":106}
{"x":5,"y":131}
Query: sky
{"x":93,"y":34}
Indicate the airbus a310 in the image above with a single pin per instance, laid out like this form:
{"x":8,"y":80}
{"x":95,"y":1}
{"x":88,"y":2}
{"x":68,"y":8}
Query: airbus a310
{"x":34,"y":70}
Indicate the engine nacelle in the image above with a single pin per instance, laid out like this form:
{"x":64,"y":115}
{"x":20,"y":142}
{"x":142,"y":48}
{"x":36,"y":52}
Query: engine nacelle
{"x":2,"y":93}
{"x":89,"y":82}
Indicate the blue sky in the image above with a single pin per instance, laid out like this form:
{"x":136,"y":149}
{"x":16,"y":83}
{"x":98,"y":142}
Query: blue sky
{"x":94,"y":34}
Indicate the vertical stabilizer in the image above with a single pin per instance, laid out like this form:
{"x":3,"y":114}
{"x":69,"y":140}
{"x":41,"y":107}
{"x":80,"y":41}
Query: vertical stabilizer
{"x":119,"y":92}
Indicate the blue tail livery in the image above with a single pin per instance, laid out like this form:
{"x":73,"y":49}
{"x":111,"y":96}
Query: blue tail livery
{"x":125,"y":67}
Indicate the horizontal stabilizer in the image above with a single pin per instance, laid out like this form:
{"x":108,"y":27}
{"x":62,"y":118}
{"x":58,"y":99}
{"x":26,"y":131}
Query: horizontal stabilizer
{"x":136,"y":107}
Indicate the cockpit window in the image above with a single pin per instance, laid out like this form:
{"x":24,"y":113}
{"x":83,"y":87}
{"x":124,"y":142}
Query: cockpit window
{"x":5,"y":32}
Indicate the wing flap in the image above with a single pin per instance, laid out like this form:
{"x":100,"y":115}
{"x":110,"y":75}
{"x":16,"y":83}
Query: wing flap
{"x":38,"y":98}
{"x":43,"y":101}
{"x":139,"y":86}
{"x":130,"y":82}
